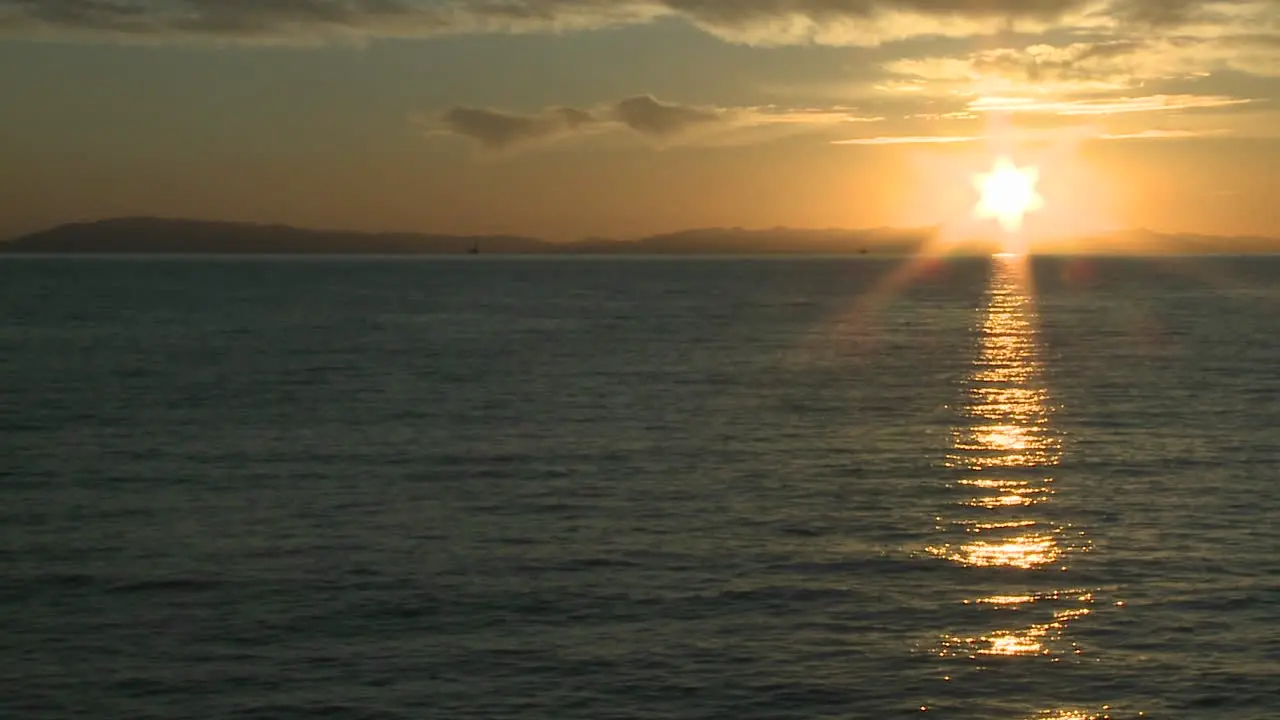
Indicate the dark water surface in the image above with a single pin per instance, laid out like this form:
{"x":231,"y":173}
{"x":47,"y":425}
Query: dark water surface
{"x":559,"y":489}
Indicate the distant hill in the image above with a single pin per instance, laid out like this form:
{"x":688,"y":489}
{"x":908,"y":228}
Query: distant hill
{"x":164,"y":235}
{"x":1146,"y":242}
{"x":175,"y":236}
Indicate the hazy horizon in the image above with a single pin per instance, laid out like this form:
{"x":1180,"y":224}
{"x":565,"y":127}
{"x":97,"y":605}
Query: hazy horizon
{"x":150,"y":234}
{"x":560,"y":240}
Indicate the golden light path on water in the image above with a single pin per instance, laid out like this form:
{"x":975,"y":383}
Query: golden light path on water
{"x":1008,"y":427}
{"x":1003,"y":454}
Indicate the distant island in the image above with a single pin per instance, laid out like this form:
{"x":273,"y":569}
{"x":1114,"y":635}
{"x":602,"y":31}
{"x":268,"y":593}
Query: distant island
{"x":166,"y":235}
{"x":150,"y":235}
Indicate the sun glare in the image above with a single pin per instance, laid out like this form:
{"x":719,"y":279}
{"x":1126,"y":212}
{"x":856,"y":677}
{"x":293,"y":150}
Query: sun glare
{"x":1008,"y":193}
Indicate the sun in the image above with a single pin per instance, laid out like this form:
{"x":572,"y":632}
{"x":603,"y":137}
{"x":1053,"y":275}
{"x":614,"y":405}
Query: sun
{"x":1008,"y":193}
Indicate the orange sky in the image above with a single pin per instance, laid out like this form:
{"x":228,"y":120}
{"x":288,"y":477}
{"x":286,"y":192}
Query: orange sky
{"x":623,"y":118}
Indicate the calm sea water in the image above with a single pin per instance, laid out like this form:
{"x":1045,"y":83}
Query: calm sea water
{"x":558,"y":489}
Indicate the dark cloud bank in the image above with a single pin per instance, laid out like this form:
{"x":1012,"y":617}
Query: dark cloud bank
{"x":259,"y":18}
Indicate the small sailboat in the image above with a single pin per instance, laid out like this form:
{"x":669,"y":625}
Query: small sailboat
{"x":475,"y":248}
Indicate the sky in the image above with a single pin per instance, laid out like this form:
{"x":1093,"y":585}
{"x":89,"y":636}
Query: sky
{"x":566,"y":119}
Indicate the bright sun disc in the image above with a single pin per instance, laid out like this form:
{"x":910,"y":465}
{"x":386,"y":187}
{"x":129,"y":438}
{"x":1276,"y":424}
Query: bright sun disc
{"x":1008,"y":193}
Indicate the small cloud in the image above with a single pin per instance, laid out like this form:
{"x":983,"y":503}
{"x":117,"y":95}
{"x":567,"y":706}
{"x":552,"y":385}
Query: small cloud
{"x":647,"y":116}
{"x":1160,"y":134}
{"x":575,"y":118}
{"x":774,"y":115}
{"x":954,"y":115}
{"x":499,"y":130}
{"x":909,"y":140}
{"x":1109,"y":106}
{"x":903,"y":86}
{"x":1033,"y":135}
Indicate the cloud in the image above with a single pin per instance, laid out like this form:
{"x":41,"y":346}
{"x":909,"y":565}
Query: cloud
{"x":295,"y":21}
{"x":910,"y":140}
{"x":1095,"y":75}
{"x":1105,"y":106}
{"x":1033,"y":134}
{"x":644,"y":115}
{"x":754,"y":22}
{"x":1112,"y":64}
{"x":1160,"y":134}
{"x":499,"y":130}
{"x":665,"y":123}
{"x":867,"y":22}
{"x":649,"y":117}
{"x":1180,"y":12}
{"x":227,"y":18}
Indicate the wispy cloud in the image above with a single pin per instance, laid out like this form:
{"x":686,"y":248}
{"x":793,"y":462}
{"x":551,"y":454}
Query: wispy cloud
{"x":1105,"y":63}
{"x":1161,"y":134}
{"x":1034,"y":135}
{"x":1106,"y":106}
{"x":908,"y":140}
{"x":644,"y":115}
{"x":1109,"y":72}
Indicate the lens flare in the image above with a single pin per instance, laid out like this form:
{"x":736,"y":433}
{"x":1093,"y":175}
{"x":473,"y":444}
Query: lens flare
{"x":1008,"y":193}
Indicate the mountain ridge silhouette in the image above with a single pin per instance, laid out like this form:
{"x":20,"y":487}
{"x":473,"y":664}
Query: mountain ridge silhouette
{"x":164,"y":235}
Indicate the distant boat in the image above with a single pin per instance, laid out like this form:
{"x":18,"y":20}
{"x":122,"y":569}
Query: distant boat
{"x":474,"y":249}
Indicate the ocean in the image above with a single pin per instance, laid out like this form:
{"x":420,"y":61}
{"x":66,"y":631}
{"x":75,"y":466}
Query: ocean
{"x":595,"y":488}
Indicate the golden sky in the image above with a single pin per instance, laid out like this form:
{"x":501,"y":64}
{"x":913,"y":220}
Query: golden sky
{"x":569,"y":118}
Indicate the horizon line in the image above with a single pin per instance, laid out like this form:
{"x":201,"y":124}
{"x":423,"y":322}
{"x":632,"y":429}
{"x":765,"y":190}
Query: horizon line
{"x":922,"y":230}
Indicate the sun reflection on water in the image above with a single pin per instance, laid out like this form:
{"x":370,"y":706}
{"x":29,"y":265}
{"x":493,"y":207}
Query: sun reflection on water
{"x":1035,"y":639}
{"x":1007,"y":430}
{"x":1077,"y":715}
{"x":1003,"y":454}
{"x":1027,"y":552}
